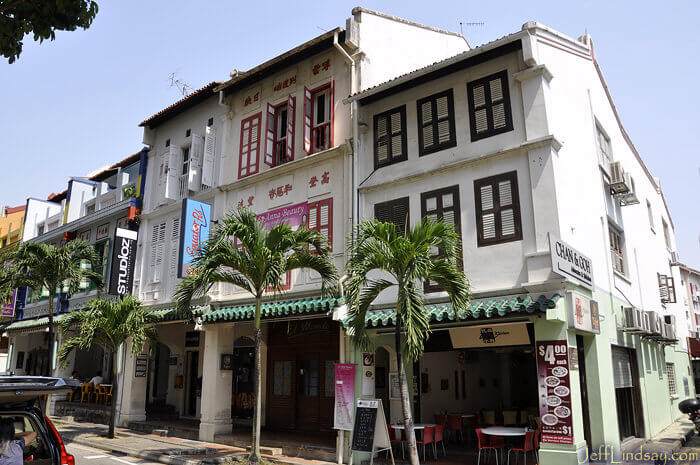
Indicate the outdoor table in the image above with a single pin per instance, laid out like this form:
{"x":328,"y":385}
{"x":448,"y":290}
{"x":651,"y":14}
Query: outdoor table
{"x":416,"y":426}
{"x":505,"y":431}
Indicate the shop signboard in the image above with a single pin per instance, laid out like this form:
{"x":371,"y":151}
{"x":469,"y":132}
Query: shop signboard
{"x":570,"y":263}
{"x":7,"y":309}
{"x":344,"y":395}
{"x":121,"y":278}
{"x":492,"y":335}
{"x":293,"y":216}
{"x":554,"y":392}
{"x":195,"y":225}
{"x":141,"y":366}
{"x":583,"y":313}
{"x":369,"y":432}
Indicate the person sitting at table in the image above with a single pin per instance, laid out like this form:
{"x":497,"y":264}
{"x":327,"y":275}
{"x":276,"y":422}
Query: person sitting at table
{"x":97,"y":379}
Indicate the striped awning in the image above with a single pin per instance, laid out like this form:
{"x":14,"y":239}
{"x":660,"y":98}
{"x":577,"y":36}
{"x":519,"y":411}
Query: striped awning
{"x":477,"y":309}
{"x":277,"y":309}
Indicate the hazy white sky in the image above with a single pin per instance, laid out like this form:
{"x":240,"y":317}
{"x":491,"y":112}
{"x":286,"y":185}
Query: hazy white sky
{"x":73,"y":105}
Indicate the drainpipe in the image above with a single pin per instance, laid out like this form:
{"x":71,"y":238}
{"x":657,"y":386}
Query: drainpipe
{"x":340,"y":444}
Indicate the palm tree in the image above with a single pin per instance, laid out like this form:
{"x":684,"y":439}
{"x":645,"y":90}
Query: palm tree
{"x":404,"y":260}
{"x":44,"y":266}
{"x":241,"y":252}
{"x":109,"y":324}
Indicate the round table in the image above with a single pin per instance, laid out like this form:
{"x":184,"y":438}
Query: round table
{"x":505,"y":431}
{"x":416,"y":426}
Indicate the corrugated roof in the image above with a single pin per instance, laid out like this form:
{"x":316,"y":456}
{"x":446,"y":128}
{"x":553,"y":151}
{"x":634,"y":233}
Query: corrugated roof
{"x":477,"y":309}
{"x":190,"y":100}
{"x":272,"y":309}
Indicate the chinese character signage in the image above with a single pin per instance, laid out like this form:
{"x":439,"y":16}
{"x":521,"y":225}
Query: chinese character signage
{"x":583,"y":313}
{"x":554,"y":392}
{"x":196,"y":223}
{"x":102,"y":231}
{"x":121,"y":277}
{"x":285,"y":82}
{"x":293,"y":216}
{"x":251,"y":99}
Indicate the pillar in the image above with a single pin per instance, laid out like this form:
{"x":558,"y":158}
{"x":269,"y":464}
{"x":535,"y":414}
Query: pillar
{"x":132,"y":398}
{"x":216,"y":383}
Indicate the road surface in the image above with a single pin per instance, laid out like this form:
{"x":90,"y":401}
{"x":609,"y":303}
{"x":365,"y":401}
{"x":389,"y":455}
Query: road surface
{"x":85,"y":455}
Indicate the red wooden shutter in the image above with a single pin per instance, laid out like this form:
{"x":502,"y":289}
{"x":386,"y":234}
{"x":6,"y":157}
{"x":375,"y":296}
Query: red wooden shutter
{"x":331,"y":106}
{"x":291,"y":114}
{"x":250,"y":146}
{"x":270,"y":136}
{"x":321,"y":219}
{"x":308,"y":106}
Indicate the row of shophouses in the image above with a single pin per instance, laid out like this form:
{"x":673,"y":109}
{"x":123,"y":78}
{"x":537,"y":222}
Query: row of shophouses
{"x":567,"y":240}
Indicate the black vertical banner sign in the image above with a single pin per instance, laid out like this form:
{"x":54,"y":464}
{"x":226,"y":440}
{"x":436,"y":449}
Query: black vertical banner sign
{"x":121,"y":278}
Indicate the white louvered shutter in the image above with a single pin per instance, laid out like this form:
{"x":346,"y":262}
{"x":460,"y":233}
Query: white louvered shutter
{"x":291,"y":116}
{"x":480,"y":115}
{"x":498,"y":106}
{"x":505,"y":199}
{"x":396,"y":135}
{"x":488,"y":217}
{"x":171,"y":182}
{"x":270,"y":136}
{"x":208,"y":160}
{"x":308,"y":108}
{"x":162,"y":177}
{"x":427,"y":120}
{"x":174,"y":246}
{"x":382,"y":140}
{"x":157,"y":246}
{"x":194,"y":180}
{"x":442,"y":114}
{"x":154,"y":251}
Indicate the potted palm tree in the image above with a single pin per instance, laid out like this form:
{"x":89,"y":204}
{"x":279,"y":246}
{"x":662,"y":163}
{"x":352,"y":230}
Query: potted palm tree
{"x":403,"y":261}
{"x":243,"y":253}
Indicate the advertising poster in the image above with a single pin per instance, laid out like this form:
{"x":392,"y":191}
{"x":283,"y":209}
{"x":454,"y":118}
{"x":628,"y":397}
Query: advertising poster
{"x":292,"y":215}
{"x":7,"y":306}
{"x":344,"y":395}
{"x":583,"y":313}
{"x":123,"y":260}
{"x":195,"y":223}
{"x":554,"y":392}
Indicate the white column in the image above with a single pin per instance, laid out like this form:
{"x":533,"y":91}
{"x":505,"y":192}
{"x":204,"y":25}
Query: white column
{"x":216,"y":383}
{"x":133,"y":391}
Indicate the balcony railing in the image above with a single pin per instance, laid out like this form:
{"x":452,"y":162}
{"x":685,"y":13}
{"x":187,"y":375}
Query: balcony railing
{"x":321,"y":138}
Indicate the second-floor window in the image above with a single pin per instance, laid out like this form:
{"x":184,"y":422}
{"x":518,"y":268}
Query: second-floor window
{"x":489,"y":106}
{"x":279,"y":135}
{"x":617,"y":250}
{"x":321,"y":219}
{"x":318,"y":118}
{"x":667,"y":289}
{"x":250,"y":146}
{"x":184,"y":173}
{"x":390,"y":137}
{"x":497,"y":209}
{"x":157,"y":250}
{"x":603,"y":145}
{"x":394,"y":211}
{"x":441,"y":204}
{"x":436,"y":123}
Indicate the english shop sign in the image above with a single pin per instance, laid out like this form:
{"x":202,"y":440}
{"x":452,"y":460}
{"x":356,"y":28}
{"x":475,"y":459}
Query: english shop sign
{"x":569,"y":262}
{"x":196,"y":222}
{"x":123,"y":260}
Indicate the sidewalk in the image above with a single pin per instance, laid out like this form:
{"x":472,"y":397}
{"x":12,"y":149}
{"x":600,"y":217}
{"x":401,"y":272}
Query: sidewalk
{"x":168,"y":450}
{"x":668,"y":441}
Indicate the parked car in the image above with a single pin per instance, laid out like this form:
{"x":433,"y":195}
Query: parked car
{"x":22,"y":398}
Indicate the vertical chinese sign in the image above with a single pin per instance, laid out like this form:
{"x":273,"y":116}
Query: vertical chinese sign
{"x":344,"y":396}
{"x":554,"y":392}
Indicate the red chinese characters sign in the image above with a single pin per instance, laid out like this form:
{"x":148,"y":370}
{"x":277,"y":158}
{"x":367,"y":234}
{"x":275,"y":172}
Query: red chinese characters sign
{"x":555,"y":392}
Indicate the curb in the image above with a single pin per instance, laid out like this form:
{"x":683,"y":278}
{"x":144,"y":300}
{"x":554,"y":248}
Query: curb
{"x":154,"y":456}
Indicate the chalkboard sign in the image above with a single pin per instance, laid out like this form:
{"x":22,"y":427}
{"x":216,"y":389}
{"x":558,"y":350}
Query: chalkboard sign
{"x":365,"y":424}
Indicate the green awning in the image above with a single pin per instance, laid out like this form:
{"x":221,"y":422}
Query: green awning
{"x":173,"y":314}
{"x":23,"y":325}
{"x":477,"y":309}
{"x":272,"y":309}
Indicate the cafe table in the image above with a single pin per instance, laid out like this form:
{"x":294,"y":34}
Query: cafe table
{"x":510,"y":431}
{"x":416,"y":426}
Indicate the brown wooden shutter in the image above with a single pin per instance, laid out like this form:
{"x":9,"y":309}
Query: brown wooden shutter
{"x":497,"y":209}
{"x":489,"y":106}
{"x":441,"y":204}
{"x":436,"y":124}
{"x":394,"y":211}
{"x":390,"y":137}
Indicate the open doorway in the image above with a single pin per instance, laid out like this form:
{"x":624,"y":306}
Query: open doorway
{"x":157,"y":407}
{"x":193,"y":385}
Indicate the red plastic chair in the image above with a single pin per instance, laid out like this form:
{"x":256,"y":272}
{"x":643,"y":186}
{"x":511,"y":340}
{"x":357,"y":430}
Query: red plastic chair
{"x":528,"y":446}
{"x":440,"y":419}
{"x":439,"y":437}
{"x":486,"y":445}
{"x":394,"y":439}
{"x":454,"y":423}
{"x":536,"y":444}
{"x":428,"y":438}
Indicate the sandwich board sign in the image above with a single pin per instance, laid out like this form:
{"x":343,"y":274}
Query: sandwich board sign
{"x":369,"y":432}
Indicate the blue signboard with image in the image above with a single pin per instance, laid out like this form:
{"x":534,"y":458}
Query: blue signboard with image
{"x":195,"y":224}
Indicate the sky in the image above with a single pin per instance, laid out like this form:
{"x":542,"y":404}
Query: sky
{"x":73,"y":105}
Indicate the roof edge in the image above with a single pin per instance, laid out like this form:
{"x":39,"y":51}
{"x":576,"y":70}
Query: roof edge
{"x":361,"y":9}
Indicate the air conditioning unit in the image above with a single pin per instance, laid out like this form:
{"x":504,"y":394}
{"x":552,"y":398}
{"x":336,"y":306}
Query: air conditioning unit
{"x":675,"y":257}
{"x":646,"y":326}
{"x":619,"y":183}
{"x":632,"y":321}
{"x":655,"y":323}
{"x":668,"y":333}
{"x":352,"y":33}
{"x":629,"y":198}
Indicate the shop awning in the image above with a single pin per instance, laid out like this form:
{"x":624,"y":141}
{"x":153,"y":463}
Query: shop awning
{"x":173,"y":314}
{"x":32,"y":325}
{"x":477,"y":309}
{"x":299,"y":307}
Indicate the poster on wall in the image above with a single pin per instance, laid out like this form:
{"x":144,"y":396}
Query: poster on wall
{"x":292,"y":215}
{"x":583,"y":313}
{"x":121,"y":278}
{"x":344,"y":396}
{"x":141,"y":366}
{"x":7,"y":306}
{"x":554,"y":392}
{"x":394,"y":386}
{"x":195,"y":224}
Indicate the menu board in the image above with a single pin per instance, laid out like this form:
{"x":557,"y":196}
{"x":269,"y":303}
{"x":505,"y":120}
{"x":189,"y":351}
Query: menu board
{"x":365,"y":424}
{"x":555,"y":392}
{"x":141,"y":366}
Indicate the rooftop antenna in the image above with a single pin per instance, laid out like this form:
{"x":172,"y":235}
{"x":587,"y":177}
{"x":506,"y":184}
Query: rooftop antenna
{"x":182,"y":86}
{"x":469,"y":24}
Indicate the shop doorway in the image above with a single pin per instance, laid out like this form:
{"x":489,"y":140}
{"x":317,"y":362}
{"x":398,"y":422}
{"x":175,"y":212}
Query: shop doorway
{"x":382,"y":364}
{"x":583,"y":384}
{"x":157,"y":407}
{"x":242,"y":364}
{"x":193,"y":384}
{"x":300,"y":374}
{"x":627,"y":395}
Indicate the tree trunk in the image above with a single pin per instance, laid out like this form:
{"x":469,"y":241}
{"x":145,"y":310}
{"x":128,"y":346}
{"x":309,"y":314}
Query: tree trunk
{"x":405,"y":398}
{"x":113,"y":407}
{"x":52,"y":335}
{"x":257,"y":386}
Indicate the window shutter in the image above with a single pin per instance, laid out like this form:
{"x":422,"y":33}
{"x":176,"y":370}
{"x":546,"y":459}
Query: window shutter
{"x":671,"y":285}
{"x":291,"y":116}
{"x":622,"y":368}
{"x":381,"y":149}
{"x":497,"y":209}
{"x":394,"y":211}
{"x":270,"y":136}
{"x":663,"y":288}
{"x":331,"y":107}
{"x":321,"y":219}
{"x":194,"y":181}
{"x":427,"y":120}
{"x":208,"y":162}
{"x":489,"y":106}
{"x":174,"y":157}
{"x":441,"y":204}
{"x":162,"y":177}
{"x":157,"y":240}
{"x":250,"y":146}
{"x":174,"y":246}
{"x":436,"y":122}
{"x":308,"y":106}
{"x":442,"y":113}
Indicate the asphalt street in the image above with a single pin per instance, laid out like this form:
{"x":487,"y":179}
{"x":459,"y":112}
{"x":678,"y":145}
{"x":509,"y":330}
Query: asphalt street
{"x":85,"y":455}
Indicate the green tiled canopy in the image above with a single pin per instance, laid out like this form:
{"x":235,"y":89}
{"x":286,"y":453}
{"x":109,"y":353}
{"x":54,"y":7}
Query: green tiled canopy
{"x":483,"y":308}
{"x":272,"y":309}
{"x":23,"y":325}
{"x":173,"y":314}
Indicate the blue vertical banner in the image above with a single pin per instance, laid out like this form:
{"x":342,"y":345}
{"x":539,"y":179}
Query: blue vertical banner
{"x":195,"y":223}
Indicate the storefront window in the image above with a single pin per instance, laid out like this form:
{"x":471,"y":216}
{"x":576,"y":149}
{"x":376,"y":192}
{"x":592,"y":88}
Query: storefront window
{"x":308,"y":377}
{"x":283,"y":378}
